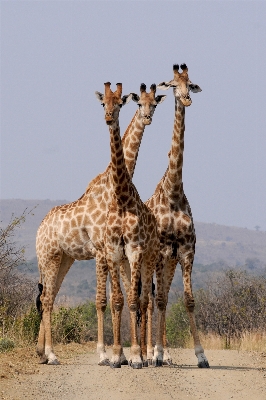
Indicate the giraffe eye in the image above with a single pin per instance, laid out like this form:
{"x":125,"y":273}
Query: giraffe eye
{"x":103,"y":104}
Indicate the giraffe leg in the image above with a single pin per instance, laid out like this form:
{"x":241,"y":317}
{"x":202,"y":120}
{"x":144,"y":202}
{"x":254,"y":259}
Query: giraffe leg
{"x":186,"y":264}
{"x":147,"y":307}
{"x":41,"y":345}
{"x":117,"y":303}
{"x":64,"y":266}
{"x":135,"y":360}
{"x":161,"y":306}
{"x":169,"y":272}
{"x":126,"y":279}
{"x":47,"y":301}
{"x":101,"y":303}
{"x":123,"y":360}
{"x":149,"y":328}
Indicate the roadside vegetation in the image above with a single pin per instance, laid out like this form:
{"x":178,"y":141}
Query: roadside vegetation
{"x":230,"y":310}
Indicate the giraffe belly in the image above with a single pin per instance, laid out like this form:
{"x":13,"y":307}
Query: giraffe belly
{"x":77,"y":244}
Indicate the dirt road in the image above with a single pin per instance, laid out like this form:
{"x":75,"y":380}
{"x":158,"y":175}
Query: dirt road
{"x":233,"y":375}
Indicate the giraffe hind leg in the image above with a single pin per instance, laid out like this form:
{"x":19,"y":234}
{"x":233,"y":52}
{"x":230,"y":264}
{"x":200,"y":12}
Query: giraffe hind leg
{"x":41,"y":337}
{"x":186,"y":264}
{"x":58,"y":266}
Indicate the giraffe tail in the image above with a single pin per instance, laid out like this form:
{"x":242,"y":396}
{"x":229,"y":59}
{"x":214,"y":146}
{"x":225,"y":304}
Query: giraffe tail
{"x":38,"y":299}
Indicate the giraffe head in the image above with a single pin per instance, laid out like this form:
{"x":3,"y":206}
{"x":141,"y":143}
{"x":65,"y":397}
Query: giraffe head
{"x":147,"y":102}
{"x":181,"y":85}
{"x":112,"y":102}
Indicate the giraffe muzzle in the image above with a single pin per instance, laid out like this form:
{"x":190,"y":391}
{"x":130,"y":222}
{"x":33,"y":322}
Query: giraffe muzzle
{"x":147,"y":120}
{"x":186,"y":101}
{"x":109,"y":117}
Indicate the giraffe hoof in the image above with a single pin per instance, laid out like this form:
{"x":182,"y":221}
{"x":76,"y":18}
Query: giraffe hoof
{"x":115,"y":364}
{"x":53,"y":362}
{"x":203,"y":364}
{"x":157,"y":363}
{"x":136,"y":365}
{"x":104,"y":363}
{"x":124,"y":362}
{"x":145,"y":364}
{"x":43,"y":360}
{"x":149,"y":361}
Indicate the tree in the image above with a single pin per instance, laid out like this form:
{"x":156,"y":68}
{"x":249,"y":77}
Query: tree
{"x":16,"y":290}
{"x":233,"y":304}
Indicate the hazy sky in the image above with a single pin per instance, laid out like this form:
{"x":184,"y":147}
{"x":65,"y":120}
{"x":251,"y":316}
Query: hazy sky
{"x":56,"y":54}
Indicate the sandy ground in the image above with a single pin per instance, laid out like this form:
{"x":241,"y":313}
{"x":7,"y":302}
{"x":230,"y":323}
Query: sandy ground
{"x":233,"y":375}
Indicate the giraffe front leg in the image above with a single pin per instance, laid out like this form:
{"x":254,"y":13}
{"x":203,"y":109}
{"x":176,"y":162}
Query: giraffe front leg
{"x":169,"y":272}
{"x":135,"y":360}
{"x":146,"y":307}
{"x":161,"y":306}
{"x":47,"y":301}
{"x":186,"y":264}
{"x":126,"y":279}
{"x":117,"y":302}
{"x":101,"y":303}
{"x":123,"y":359}
{"x":149,"y":328}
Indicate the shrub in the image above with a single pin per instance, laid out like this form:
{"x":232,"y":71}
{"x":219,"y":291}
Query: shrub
{"x":67,"y":325}
{"x":6,"y":345}
{"x":177,"y":324}
{"x":233,"y":304}
{"x":30,"y":324}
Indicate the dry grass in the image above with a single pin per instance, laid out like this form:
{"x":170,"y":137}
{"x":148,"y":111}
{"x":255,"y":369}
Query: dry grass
{"x":24,"y":360}
{"x":248,"y":342}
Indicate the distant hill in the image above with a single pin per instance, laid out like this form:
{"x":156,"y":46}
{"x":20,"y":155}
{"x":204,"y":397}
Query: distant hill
{"x":217,"y":247}
{"x":215,"y":243}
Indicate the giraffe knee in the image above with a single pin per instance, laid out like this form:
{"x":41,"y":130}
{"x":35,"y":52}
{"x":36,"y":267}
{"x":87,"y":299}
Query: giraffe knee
{"x":189,"y":302}
{"x":161,"y":304}
{"x":101,"y":304}
{"x":118,"y":302}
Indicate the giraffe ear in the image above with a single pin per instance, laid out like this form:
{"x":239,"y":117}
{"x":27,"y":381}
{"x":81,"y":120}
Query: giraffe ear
{"x":160,"y":98}
{"x":194,"y":88}
{"x":99,"y":96}
{"x":126,"y":99}
{"x":163,"y":86}
{"x":135,"y":97}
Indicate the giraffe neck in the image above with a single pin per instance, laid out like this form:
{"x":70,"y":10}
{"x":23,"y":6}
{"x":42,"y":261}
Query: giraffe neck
{"x":173,"y":177}
{"x":131,"y":142}
{"x":120,"y":176}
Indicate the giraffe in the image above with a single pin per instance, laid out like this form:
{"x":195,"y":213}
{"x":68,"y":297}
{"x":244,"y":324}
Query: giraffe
{"x":175,"y":223}
{"x":131,"y":238}
{"x":147,"y":102}
{"x":74,"y":231}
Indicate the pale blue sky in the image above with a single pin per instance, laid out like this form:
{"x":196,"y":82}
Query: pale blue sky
{"x":56,"y":54}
